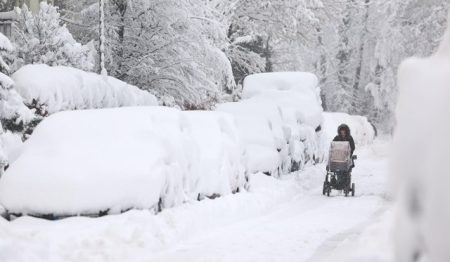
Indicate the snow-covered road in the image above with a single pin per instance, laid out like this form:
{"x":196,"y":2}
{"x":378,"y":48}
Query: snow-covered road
{"x":278,"y":220}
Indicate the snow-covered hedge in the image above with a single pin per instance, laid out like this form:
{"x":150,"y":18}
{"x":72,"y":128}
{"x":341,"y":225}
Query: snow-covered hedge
{"x":362,"y":131}
{"x":278,"y":120}
{"x":84,"y":162}
{"x":60,"y":88}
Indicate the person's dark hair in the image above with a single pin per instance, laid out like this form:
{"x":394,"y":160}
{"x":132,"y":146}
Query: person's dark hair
{"x":345,"y":128}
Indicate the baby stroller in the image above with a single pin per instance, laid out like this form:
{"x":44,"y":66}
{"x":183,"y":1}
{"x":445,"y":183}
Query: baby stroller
{"x":339,"y":169}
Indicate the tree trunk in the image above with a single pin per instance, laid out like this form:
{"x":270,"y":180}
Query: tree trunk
{"x":102,"y":38}
{"x":357,"y":83}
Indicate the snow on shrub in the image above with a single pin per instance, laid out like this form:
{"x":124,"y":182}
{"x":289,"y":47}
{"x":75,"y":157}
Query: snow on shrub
{"x":42,"y":38}
{"x":421,"y":157}
{"x":54,"y":89}
{"x":84,"y":162}
{"x":362,"y":131}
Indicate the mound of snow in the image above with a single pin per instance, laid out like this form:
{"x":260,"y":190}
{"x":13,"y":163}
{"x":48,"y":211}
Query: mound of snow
{"x":281,"y":81}
{"x":421,"y":157}
{"x":64,"y":88}
{"x":289,"y":103}
{"x":261,"y":130}
{"x":220,"y":161}
{"x":83,"y":162}
{"x":362,"y":131}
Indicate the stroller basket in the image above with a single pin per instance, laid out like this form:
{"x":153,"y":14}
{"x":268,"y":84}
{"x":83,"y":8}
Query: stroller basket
{"x":340,"y":159}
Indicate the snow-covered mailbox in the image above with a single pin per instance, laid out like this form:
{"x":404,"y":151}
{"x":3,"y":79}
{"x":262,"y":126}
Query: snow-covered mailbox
{"x":287,"y":101}
{"x":111,"y":160}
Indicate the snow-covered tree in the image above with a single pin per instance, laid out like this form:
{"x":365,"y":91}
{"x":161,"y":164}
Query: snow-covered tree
{"x":12,"y":109}
{"x":167,"y":47}
{"x":42,"y":39}
{"x":14,"y":115}
{"x":182,"y":50}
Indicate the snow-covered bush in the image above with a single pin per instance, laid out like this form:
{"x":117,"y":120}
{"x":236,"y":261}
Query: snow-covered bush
{"x":178,"y":52}
{"x":53,"y":89}
{"x":5,"y":47}
{"x":41,"y":39}
{"x":421,"y":157}
{"x":84,"y":162}
{"x":13,"y":113}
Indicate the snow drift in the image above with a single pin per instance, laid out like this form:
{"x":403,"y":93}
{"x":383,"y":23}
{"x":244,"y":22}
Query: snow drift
{"x":297,"y":93}
{"x":63,"y":88}
{"x":261,"y":131}
{"x":421,"y":157}
{"x":84,"y":162}
{"x":279,"y":119}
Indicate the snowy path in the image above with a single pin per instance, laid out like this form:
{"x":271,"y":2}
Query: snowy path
{"x":279,"y":220}
{"x":294,"y":230}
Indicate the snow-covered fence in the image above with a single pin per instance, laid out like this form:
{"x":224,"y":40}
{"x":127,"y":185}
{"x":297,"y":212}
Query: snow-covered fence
{"x":279,"y":120}
{"x":111,"y":160}
{"x":60,"y":88}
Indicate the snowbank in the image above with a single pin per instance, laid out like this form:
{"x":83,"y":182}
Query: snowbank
{"x":64,"y":88}
{"x":281,"y":81}
{"x":421,"y":157}
{"x":260,"y":128}
{"x":362,"y":131}
{"x":220,"y":161}
{"x":297,"y":93}
{"x":278,"y":119}
{"x":83,"y":162}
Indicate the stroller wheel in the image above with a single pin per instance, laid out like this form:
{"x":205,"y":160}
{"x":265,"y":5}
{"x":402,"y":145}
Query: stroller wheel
{"x":353,"y":189}
{"x":324,"y":190}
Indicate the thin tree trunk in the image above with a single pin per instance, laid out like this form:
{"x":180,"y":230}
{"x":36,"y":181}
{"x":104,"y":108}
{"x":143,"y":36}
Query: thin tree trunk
{"x":102,"y":38}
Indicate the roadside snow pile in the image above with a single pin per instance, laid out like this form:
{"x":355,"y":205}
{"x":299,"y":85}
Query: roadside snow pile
{"x":422,"y":157}
{"x":219,"y":162}
{"x":279,"y":121}
{"x":297,"y":93}
{"x":261,"y":130}
{"x":60,"y":88}
{"x":362,"y":131}
{"x":84,"y":162}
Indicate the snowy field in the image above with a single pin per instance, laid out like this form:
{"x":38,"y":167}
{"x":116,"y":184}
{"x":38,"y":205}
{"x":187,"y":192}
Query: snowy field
{"x":284,"y":219}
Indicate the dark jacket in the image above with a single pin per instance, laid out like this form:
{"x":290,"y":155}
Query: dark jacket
{"x":348,"y":138}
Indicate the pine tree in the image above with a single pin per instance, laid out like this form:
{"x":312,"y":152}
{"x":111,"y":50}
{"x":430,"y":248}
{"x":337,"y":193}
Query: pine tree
{"x":41,"y":39}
